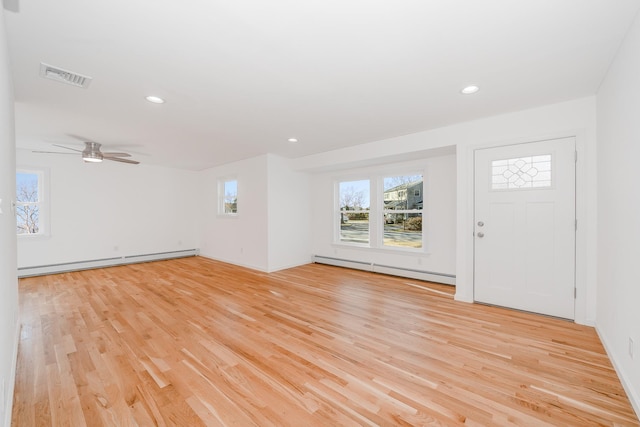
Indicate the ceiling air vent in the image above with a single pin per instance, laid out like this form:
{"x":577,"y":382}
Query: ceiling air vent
{"x":64,"y":76}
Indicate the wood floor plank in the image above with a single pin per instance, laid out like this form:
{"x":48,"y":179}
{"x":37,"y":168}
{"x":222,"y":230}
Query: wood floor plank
{"x":192,"y":342}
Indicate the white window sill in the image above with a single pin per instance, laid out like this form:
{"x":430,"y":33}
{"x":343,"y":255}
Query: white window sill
{"x":385,"y":249}
{"x":228,"y":216}
{"x":39,"y":236}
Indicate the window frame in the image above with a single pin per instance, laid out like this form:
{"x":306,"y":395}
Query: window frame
{"x":376,"y":210}
{"x":402,"y":193}
{"x":222,"y":181}
{"x":337,"y":237}
{"x":44,"y":228}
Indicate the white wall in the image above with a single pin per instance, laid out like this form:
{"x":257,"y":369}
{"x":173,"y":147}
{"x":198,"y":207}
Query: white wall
{"x":8,"y":277}
{"x":574,"y":118}
{"x":439,"y":216}
{"x":618,"y":317}
{"x":240,"y":239}
{"x":110,"y":210}
{"x":289,"y":215}
{"x":271,"y":230}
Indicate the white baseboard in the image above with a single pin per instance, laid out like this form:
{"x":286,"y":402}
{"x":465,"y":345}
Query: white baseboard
{"x":632,"y":393}
{"x":228,"y":261}
{"x":429,"y":276}
{"x":105,"y":262}
{"x":287,"y":266}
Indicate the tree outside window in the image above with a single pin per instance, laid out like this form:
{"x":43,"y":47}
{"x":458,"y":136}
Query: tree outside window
{"x":28,"y":202}
{"x":354,"y":211}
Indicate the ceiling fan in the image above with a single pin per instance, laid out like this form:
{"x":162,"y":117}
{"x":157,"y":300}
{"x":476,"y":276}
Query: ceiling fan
{"x":92,"y":153}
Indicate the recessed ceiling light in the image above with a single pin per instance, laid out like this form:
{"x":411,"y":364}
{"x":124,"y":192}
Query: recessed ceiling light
{"x":469,"y":90}
{"x":292,"y":139}
{"x":155,"y":99}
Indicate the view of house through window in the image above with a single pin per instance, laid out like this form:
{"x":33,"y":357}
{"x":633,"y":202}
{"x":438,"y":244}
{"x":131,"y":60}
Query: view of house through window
{"x":229,"y":196}
{"x":402,"y":208}
{"x":398,"y":211}
{"x":29,"y":202}
{"x":354,"y":211}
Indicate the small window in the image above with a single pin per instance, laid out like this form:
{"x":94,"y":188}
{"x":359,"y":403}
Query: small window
{"x":228,"y":197}
{"x":30,"y":202}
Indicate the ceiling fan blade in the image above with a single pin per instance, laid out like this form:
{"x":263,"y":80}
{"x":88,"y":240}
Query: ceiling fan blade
{"x":68,"y":148}
{"x":116,"y":154}
{"x":118,"y":159}
{"x":52,"y":152}
{"x":78,"y":137}
{"x":12,"y":5}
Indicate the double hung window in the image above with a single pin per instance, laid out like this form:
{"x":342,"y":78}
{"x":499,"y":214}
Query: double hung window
{"x":402,"y":209}
{"x":384,"y":211}
{"x":228,"y":197}
{"x":30,"y":202}
{"x":353,"y":199}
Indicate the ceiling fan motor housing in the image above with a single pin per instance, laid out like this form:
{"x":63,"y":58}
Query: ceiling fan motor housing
{"x":92,"y":152}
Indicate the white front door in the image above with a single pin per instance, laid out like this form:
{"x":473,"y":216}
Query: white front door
{"x":524,"y":231}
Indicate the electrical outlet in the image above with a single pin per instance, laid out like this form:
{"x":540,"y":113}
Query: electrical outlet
{"x":630,"y":348}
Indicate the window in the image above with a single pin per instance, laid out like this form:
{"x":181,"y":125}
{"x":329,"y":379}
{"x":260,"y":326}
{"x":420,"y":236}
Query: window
{"x":353,"y":199}
{"x":30,"y":205}
{"x":402,"y":208}
{"x":228,"y":197}
{"x":393,"y":222}
{"x":521,"y":172}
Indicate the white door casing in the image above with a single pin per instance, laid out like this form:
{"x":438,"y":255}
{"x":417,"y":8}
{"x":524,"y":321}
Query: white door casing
{"x":524,"y":227}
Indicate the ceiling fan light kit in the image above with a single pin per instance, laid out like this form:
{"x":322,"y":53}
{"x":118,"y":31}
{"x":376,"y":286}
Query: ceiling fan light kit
{"x":92,"y":157}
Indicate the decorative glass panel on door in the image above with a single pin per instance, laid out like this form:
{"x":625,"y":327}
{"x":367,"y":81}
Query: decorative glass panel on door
{"x":521,"y":172}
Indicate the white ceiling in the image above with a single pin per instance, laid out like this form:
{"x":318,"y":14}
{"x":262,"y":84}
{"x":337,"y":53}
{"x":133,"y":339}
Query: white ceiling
{"x":241,"y":77}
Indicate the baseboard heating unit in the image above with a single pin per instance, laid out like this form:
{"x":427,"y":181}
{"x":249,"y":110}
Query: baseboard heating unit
{"x":104,"y":262}
{"x":429,"y":276}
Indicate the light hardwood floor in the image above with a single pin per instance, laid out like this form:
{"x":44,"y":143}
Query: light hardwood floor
{"x":194,"y":342}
